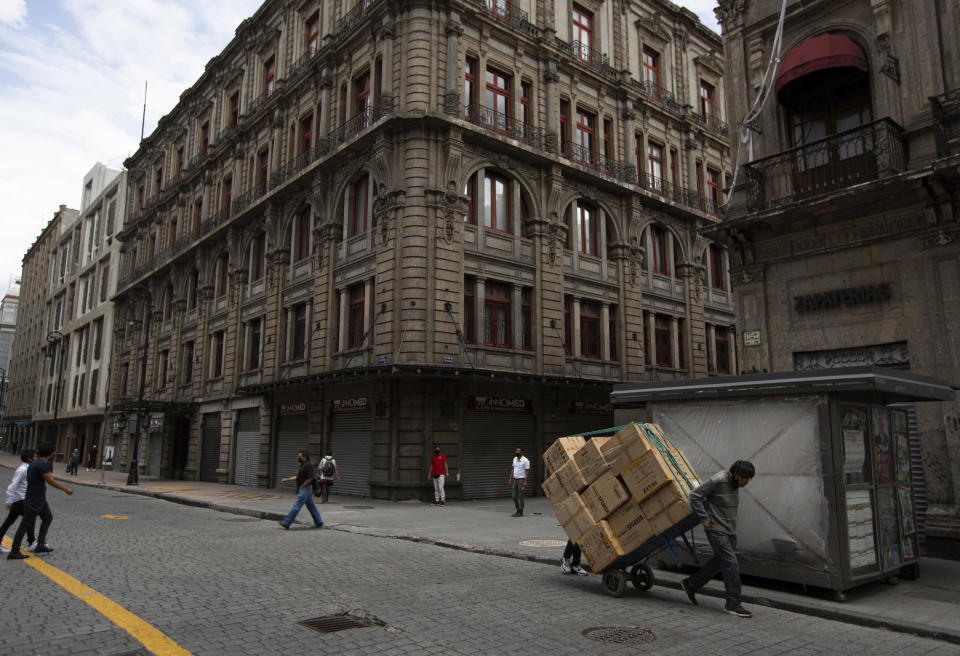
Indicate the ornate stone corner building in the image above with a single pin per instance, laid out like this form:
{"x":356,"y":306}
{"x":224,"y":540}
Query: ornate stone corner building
{"x":844,"y":228}
{"x":378,"y":226}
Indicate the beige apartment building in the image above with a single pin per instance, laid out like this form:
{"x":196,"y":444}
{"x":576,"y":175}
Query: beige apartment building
{"x":843,"y":229}
{"x":373,"y":227}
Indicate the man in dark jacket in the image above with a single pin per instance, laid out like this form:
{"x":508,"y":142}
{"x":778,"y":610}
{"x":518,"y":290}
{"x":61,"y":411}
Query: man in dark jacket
{"x":305,"y":477}
{"x":715,"y":502}
{"x":39,"y":474}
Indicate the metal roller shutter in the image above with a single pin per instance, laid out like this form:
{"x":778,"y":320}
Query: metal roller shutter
{"x":248,"y":447}
{"x":156,"y":455}
{"x":350,"y":443}
{"x":291,"y":438}
{"x":210,"y":456}
{"x":489,"y":440}
{"x":918,"y":477}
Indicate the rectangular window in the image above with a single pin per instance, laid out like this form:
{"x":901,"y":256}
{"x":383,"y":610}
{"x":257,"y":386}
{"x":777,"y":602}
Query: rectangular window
{"x":651,"y":71}
{"x":188,"y":362}
{"x":97,"y":338}
{"x":469,"y":85}
{"x":269,"y":75}
{"x":613,"y":331}
{"x":526,"y":318}
{"x":258,"y":253}
{"x":253,"y":356}
{"x":362,"y":95}
{"x":76,"y":384}
{"x":607,"y":132}
{"x":173,"y":233}
{"x":586,"y":127}
{"x":83,"y":381}
{"x":306,"y":134}
{"x":313,"y":34}
{"x":298,"y":334}
{"x":355,"y":327}
{"x":157,"y":182}
{"x":303,"y":235}
{"x":564,"y":127}
{"x":713,"y":191}
{"x":469,"y":320}
{"x":234,"y":109}
{"x":218,"y":344}
{"x":496,"y":203}
{"x":204,"y":144}
{"x":567,"y":326}
{"x":655,"y":166}
{"x":706,"y":101}
{"x":496,"y":318}
{"x":94,"y":380}
{"x":358,"y":214}
{"x":716,"y":267}
{"x":722,"y":344}
{"x":111,"y":215}
{"x":162,"y":364}
{"x":664,"y":344}
{"x":658,"y":241}
{"x":589,"y":330}
{"x":587,"y":224}
{"x":582,"y":31}
{"x":497,"y":100}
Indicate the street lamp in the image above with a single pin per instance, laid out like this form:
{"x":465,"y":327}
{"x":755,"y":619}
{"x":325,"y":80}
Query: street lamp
{"x":56,"y":337}
{"x":133,"y":476}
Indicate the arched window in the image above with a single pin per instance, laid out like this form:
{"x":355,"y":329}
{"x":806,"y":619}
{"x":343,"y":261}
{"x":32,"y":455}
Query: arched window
{"x":168,"y":303}
{"x":658,"y":249}
{"x":193,"y":288}
{"x":587,"y":216}
{"x":496,"y":203}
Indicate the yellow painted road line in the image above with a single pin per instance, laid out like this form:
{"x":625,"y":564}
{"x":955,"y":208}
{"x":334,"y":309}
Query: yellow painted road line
{"x":148,"y":636}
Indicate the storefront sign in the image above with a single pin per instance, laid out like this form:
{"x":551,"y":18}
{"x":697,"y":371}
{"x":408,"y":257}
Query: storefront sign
{"x":381,"y":359}
{"x":591,"y":408}
{"x":349,"y":405}
{"x":500,"y":404}
{"x":751,"y":338}
{"x":848,"y":297}
{"x":156,"y":424}
{"x":448,"y":359}
{"x":288,"y":409}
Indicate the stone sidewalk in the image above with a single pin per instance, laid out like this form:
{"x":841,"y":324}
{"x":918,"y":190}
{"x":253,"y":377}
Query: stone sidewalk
{"x":927,"y":606}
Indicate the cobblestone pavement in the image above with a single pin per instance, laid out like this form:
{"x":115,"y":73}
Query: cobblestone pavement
{"x":218,"y":583}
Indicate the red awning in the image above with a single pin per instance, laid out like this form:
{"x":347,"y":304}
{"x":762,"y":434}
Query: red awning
{"x":818,"y":53}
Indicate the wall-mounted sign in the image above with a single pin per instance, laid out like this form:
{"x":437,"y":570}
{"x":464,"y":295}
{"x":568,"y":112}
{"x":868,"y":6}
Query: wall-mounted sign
{"x":349,"y":405}
{"x":849,"y":297}
{"x":751,"y":338}
{"x":381,"y":359}
{"x":156,"y":424}
{"x":500,"y":404}
{"x":591,"y":408}
{"x":287,"y":409}
{"x":448,"y":359}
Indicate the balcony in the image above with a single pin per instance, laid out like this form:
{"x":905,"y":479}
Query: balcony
{"x":301,"y":65}
{"x":946,"y":122}
{"x":870,"y":152}
{"x":247,"y":198}
{"x":295,"y":165}
{"x":352,"y":17}
{"x":711,"y":123}
{"x":357,"y":124}
{"x":588,"y":56}
{"x":591,"y":159}
{"x":670,"y":191}
{"x":504,"y":125}
{"x":509,"y":14}
{"x":258,"y":102}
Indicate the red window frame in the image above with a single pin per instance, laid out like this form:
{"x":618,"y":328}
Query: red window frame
{"x":234,"y":109}
{"x":193,"y":290}
{"x":204,"y":137}
{"x":655,"y":166}
{"x":298,"y":349}
{"x":313,"y":34}
{"x":469,"y":311}
{"x":721,"y":342}
{"x":306,"y":133}
{"x":492,"y":218}
{"x":179,"y":162}
{"x":496,"y":315}
{"x":470,"y":191}
{"x":355,"y":328}
{"x":497,"y":99}
{"x":589,"y":331}
{"x":302,"y":244}
{"x":582,"y":29}
{"x":713,"y":191}
{"x":663,"y":341}
{"x":469,"y":84}
{"x":586,"y":137}
{"x":607,"y":130}
{"x":222,"y":263}
{"x":362,"y":94}
{"x":269,"y":75}
{"x":218,"y":346}
{"x":651,"y":70}
{"x":717,"y":279}
{"x":564,"y":125}
{"x":358,"y":210}
{"x":227,"y":195}
{"x":706,"y":100}
{"x":259,"y":251}
{"x":658,"y":246}
{"x":587,"y":216}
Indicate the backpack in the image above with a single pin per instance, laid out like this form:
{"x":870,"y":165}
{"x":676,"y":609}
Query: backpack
{"x":329,"y":468}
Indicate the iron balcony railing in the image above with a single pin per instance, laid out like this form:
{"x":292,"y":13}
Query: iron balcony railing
{"x":301,"y":65}
{"x":352,"y":17}
{"x":869,"y":152}
{"x":670,"y":191}
{"x":587,"y":55}
{"x":591,"y":159}
{"x":711,"y":123}
{"x":502,"y":124}
{"x":508,"y":13}
{"x":258,"y":102}
{"x":247,"y":198}
{"x":295,"y":165}
{"x":656,"y":94}
{"x":946,"y":122}
{"x":356,"y":125}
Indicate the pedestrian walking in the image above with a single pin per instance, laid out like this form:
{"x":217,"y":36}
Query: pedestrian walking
{"x":304,"y":478}
{"x":328,"y":473}
{"x":15,"y":493}
{"x":571,"y":560}
{"x":715,"y":502}
{"x":74,"y":461}
{"x":92,"y":458}
{"x":438,"y":472}
{"x":518,"y":480}
{"x":39,"y":474}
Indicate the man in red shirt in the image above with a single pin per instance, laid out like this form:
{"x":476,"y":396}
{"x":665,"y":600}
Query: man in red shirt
{"x":438,"y":471}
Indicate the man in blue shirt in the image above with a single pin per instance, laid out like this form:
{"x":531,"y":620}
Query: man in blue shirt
{"x":39,"y":473}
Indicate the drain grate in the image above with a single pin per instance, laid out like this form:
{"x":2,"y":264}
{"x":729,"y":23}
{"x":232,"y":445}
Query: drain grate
{"x":620,"y":635}
{"x":543,"y":543}
{"x":333,"y":623}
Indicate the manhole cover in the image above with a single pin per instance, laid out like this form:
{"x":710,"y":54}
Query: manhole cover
{"x":620,"y":635}
{"x":333,"y":623}
{"x":543,"y":544}
{"x":358,"y":507}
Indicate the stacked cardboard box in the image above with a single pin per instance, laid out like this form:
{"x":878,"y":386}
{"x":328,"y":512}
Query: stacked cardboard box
{"x":612,"y":494}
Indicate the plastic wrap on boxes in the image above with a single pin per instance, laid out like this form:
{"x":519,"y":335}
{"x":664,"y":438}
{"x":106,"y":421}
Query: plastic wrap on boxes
{"x":647,"y":474}
{"x":554,"y":491}
{"x":600,"y":546}
{"x":571,"y":478}
{"x":561,"y":451}
{"x":622,"y":450}
{"x":605,"y":495}
{"x":631,"y":526}
{"x":590,"y":460}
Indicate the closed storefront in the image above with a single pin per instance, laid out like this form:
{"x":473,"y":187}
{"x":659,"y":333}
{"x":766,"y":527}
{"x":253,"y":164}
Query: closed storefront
{"x":210,"y":451}
{"x":492,"y":429}
{"x":350,"y":442}
{"x":247,"y":456}
{"x":291,"y":438}
{"x":155,"y":441}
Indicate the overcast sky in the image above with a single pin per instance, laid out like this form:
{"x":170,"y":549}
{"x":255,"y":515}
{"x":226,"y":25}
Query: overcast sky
{"x":71,"y":92}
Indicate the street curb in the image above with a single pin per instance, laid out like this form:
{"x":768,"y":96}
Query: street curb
{"x":823,"y":613}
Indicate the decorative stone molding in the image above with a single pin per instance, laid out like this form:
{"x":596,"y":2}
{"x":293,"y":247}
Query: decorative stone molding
{"x":451,"y":103}
{"x":746,"y":275}
{"x":728,"y":11}
{"x":697,"y":275}
{"x":711,"y":62}
{"x":452,"y":205}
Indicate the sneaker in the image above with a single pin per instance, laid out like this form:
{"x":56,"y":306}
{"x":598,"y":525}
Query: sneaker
{"x":16,"y":556}
{"x":42,"y":549}
{"x":443,"y":503}
{"x":565,"y":566}
{"x":691,"y":593}
{"x":284,"y":525}
{"x":33,"y":545}
{"x":434,"y":503}
{"x":579,"y":571}
{"x":739,"y":611}
{"x":516,"y":514}
{"x":4,"y":549}
{"x":320,"y":525}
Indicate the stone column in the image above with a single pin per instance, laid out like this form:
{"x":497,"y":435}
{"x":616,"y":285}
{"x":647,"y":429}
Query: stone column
{"x":552,"y":131}
{"x":712,"y":345}
{"x":451,"y":97}
{"x":323,"y":122}
{"x":675,"y":342}
{"x":629,"y":147}
{"x":605,"y":331}
{"x":575,"y":327}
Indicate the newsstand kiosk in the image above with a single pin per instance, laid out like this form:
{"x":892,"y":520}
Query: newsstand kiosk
{"x":832,"y":504}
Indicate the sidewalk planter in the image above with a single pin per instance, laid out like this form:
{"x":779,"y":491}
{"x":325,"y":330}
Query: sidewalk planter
{"x":834,"y":500}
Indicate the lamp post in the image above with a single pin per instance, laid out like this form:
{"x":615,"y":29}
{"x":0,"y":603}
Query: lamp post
{"x":56,"y":337}
{"x":133,"y":476}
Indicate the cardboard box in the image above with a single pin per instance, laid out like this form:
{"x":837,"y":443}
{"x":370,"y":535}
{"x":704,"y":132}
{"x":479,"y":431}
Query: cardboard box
{"x":590,"y":460}
{"x":647,"y":474}
{"x":554,"y":491}
{"x":631,"y":526}
{"x":571,"y":506}
{"x":633,"y":433}
{"x":605,"y":495}
{"x":578,"y":524}
{"x":664,"y":498}
{"x":669,"y":516}
{"x":561,"y":452}
{"x":600,"y":546}
{"x":571,"y":478}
